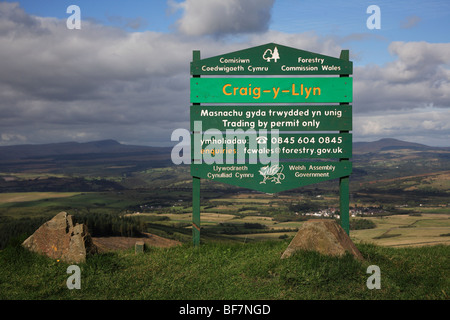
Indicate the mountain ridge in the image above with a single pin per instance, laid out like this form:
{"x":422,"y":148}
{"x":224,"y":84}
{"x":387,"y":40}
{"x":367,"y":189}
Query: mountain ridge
{"x":30,"y":151}
{"x":113,"y":147}
{"x":32,"y":167}
{"x":386,"y":144}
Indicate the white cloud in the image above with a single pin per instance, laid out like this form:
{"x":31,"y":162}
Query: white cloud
{"x":132,"y":23}
{"x":218,"y":17}
{"x":6,"y":137}
{"x":103,"y":83}
{"x":428,"y":126}
{"x":419,"y":76}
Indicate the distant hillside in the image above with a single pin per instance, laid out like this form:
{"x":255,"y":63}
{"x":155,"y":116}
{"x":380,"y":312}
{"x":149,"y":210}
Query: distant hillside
{"x":107,"y":155}
{"x":29,"y":151}
{"x":71,"y":157}
{"x":391,"y":144}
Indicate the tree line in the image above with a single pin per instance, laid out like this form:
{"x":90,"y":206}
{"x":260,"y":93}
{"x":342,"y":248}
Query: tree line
{"x":111,"y":225}
{"x":99,"y":225}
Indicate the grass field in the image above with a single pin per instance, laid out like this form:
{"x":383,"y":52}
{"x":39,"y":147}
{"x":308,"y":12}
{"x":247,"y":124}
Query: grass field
{"x":395,"y":230}
{"x":230,"y":271}
{"x":407,"y":230}
{"x":421,"y":225}
{"x":33,"y":196}
{"x":243,"y":266}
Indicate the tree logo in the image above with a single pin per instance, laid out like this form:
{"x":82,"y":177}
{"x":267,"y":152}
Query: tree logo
{"x":271,"y":55}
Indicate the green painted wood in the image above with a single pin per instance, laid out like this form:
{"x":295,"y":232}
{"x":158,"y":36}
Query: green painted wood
{"x":271,"y":90}
{"x":344,"y":182}
{"x":213,"y":147}
{"x":196,"y":190}
{"x":278,"y":175}
{"x":196,"y":211}
{"x":272,"y":177}
{"x":283,"y":118}
{"x":271,"y":59}
{"x":344,"y":201}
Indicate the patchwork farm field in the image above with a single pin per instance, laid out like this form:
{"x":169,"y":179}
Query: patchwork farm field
{"x":241,"y":217}
{"x":424,"y":226}
{"x":406,"y":230}
{"x":32,"y":196}
{"x":391,"y":231}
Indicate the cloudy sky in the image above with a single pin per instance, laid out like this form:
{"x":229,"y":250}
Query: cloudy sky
{"x":125,"y":74}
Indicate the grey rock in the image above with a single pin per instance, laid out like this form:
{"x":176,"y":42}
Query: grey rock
{"x":60,"y":239}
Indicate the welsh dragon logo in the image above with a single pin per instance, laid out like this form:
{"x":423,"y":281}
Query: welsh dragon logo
{"x":273,"y":173}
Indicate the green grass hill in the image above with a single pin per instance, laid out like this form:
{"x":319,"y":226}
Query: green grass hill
{"x":217,"y":271}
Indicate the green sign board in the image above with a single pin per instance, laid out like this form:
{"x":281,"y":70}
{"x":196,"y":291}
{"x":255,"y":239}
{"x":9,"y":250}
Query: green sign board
{"x":241,"y":147}
{"x":283,"y":118}
{"x":271,"y":90}
{"x":271,"y":59}
{"x":249,"y":114}
{"x":273,"y":178}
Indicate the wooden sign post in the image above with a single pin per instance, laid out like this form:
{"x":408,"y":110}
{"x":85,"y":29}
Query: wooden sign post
{"x":256,"y":132}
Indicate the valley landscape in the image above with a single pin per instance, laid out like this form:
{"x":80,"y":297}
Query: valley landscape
{"x":390,"y":178}
{"x":399,"y":200}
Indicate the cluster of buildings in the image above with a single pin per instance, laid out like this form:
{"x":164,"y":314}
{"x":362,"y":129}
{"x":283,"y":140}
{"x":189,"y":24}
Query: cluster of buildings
{"x":354,"y":212}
